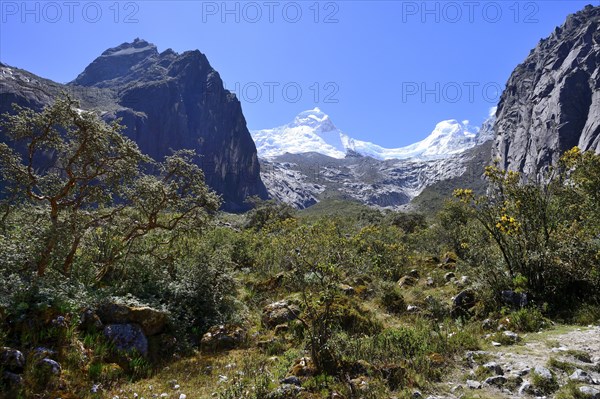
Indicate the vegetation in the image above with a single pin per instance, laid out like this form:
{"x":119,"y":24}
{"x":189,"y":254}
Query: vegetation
{"x":365,"y":296}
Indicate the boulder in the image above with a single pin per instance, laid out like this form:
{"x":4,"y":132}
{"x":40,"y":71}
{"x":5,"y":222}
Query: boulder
{"x":49,"y":366}
{"x":12,"y":360}
{"x":152,"y":321}
{"x":581,"y":376}
{"x":223,"y":337}
{"x":472,"y":384}
{"x":279,"y":313}
{"x":543,"y":373}
{"x":13,"y":380}
{"x":496,"y":381}
{"x":514,"y":299}
{"x":512,"y":336}
{"x":494,"y":368}
{"x":127,"y":338}
{"x":590,"y":392}
{"x":462,"y":303}
{"x":526,"y":388}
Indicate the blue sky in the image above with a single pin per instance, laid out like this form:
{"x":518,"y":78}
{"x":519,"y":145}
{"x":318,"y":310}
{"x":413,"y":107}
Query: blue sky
{"x":385,"y":71}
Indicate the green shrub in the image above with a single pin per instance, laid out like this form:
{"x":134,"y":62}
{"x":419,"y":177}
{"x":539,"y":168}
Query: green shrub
{"x":392,"y":299}
{"x":544,"y":385}
{"x":527,"y":320}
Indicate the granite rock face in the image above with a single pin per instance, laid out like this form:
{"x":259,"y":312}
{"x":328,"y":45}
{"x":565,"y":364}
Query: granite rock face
{"x":168,"y":101}
{"x":552,"y":100}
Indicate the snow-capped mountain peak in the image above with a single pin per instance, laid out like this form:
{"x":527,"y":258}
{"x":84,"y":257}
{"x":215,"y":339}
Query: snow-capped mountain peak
{"x":313,"y":131}
{"x":314,"y":118}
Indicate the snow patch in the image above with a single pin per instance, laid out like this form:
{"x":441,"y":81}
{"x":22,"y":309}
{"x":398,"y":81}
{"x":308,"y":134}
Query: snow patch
{"x":313,"y":131}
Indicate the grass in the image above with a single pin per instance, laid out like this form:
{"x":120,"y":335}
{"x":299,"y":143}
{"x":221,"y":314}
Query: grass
{"x":544,"y":385}
{"x":219,"y":375}
{"x":561,"y":365}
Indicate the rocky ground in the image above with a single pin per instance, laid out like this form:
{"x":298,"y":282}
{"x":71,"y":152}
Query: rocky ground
{"x":551,"y":359}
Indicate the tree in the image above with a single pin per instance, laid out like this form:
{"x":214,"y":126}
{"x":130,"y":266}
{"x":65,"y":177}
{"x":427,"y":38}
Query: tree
{"x":82,"y":173}
{"x":546,"y":230}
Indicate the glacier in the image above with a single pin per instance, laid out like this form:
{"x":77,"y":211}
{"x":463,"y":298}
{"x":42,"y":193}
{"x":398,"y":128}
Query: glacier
{"x":313,"y":131}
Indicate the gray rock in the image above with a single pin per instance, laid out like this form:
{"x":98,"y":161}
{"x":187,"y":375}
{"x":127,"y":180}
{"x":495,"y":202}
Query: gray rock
{"x":50,"y":366}
{"x":487,"y":324}
{"x":496,"y":381}
{"x":292,"y":379}
{"x":41,"y":352}
{"x":543,"y":372}
{"x":472,"y":384}
{"x":514,"y":299}
{"x":470,"y":357}
{"x":152,"y":321}
{"x":462,"y":303}
{"x":526,"y":388}
{"x":12,"y":360}
{"x":514,"y":337}
{"x":279,"y":312}
{"x":590,"y":392}
{"x":127,"y":337}
{"x":494,"y":368}
{"x":12,"y":379}
{"x":223,"y":337}
{"x":537,"y":118}
{"x":581,"y":376}
{"x":285,"y":391}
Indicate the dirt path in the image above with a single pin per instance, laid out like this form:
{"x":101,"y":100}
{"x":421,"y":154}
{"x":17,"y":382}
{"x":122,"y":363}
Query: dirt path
{"x":535,"y":367}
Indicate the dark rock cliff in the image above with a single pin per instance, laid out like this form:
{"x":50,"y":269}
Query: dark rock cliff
{"x":168,"y":101}
{"x":552,"y":100}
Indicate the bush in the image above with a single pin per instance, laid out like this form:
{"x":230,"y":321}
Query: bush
{"x":527,"y":320}
{"x":546,"y":231}
{"x":392,"y":299}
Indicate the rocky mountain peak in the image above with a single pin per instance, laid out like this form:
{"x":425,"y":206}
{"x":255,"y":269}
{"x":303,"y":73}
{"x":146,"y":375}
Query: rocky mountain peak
{"x":315,"y":119}
{"x":552,"y":100}
{"x":167,"y":101}
{"x":117,"y":62}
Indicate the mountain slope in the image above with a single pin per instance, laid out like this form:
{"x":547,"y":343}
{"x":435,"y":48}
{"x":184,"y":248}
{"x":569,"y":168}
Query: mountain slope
{"x":302,"y":180}
{"x":552,"y":100}
{"x":168,"y":101}
{"x":313,"y":131}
